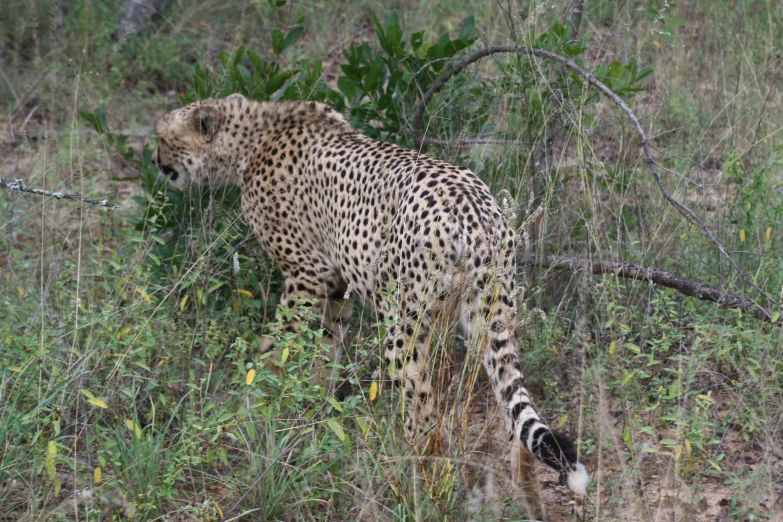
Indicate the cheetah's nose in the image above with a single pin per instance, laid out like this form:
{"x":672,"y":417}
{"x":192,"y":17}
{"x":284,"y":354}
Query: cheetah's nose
{"x":168,"y":171}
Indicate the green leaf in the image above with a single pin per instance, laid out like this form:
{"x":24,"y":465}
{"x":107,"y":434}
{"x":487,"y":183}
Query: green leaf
{"x":384,"y":102}
{"x":247,"y":78}
{"x":392,"y":19}
{"x":216,"y":286}
{"x":347,"y":87}
{"x":574,"y":49}
{"x":373,"y":77}
{"x":278,"y":42}
{"x":238,"y":55}
{"x":646,"y":71}
{"x":627,"y":436}
{"x":615,"y":70}
{"x":363,"y":425}
{"x":257,"y":62}
{"x":467,"y":28}
{"x":558,"y":28}
{"x":675,"y":20}
{"x":276,"y":4}
{"x":292,"y":36}
{"x":225,"y":59}
{"x":667,"y":33}
{"x":222,"y":456}
{"x":435,"y":52}
{"x":96,"y":120}
{"x":416,"y":40}
{"x":352,"y":72}
{"x":337,"y":405}
{"x":394,"y":36}
{"x":378,"y":28}
{"x":337,"y":429}
{"x":277,"y":80}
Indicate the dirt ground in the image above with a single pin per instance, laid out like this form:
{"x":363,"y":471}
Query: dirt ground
{"x":642,"y":489}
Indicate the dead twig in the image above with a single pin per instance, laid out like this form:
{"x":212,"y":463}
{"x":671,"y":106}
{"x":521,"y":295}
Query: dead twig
{"x":19,"y":185}
{"x":471,"y":141}
{"x":657,"y":276}
{"x":46,"y":134}
{"x":684,"y":210}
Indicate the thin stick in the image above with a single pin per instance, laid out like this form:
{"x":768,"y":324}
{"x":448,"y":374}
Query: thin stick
{"x":437,"y":85}
{"x":20,"y":186}
{"x":657,"y":276}
{"x":471,"y":141}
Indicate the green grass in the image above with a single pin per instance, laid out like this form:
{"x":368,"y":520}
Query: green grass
{"x":127,"y":337}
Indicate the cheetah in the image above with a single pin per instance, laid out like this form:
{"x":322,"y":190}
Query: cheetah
{"x":409,"y":234}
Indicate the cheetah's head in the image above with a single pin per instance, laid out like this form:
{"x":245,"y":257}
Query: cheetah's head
{"x":193,"y":147}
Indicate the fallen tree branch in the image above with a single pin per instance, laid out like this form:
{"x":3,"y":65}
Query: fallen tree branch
{"x":19,"y":186}
{"x":470,"y":141}
{"x":690,"y":215}
{"x":658,"y":277}
{"x":140,"y":132}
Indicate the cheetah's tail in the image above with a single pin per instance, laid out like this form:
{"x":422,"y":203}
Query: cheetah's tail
{"x":524,"y":424}
{"x":554,"y":450}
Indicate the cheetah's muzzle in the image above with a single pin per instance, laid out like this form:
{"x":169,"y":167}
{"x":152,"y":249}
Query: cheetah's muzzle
{"x":170,"y":172}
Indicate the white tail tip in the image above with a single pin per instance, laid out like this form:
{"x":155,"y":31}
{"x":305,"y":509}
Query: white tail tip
{"x":578,"y":479}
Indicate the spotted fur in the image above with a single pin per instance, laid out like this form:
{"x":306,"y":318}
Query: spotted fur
{"x":407,"y":233}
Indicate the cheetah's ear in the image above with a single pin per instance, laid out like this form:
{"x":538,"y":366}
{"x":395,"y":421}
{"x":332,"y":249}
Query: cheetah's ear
{"x":206,"y":120}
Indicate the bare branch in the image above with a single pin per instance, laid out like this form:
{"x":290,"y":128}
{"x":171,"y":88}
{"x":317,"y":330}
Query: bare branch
{"x":18,"y":185}
{"x":48,"y":133}
{"x":690,"y":215}
{"x":470,"y":141}
{"x":656,"y":276}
